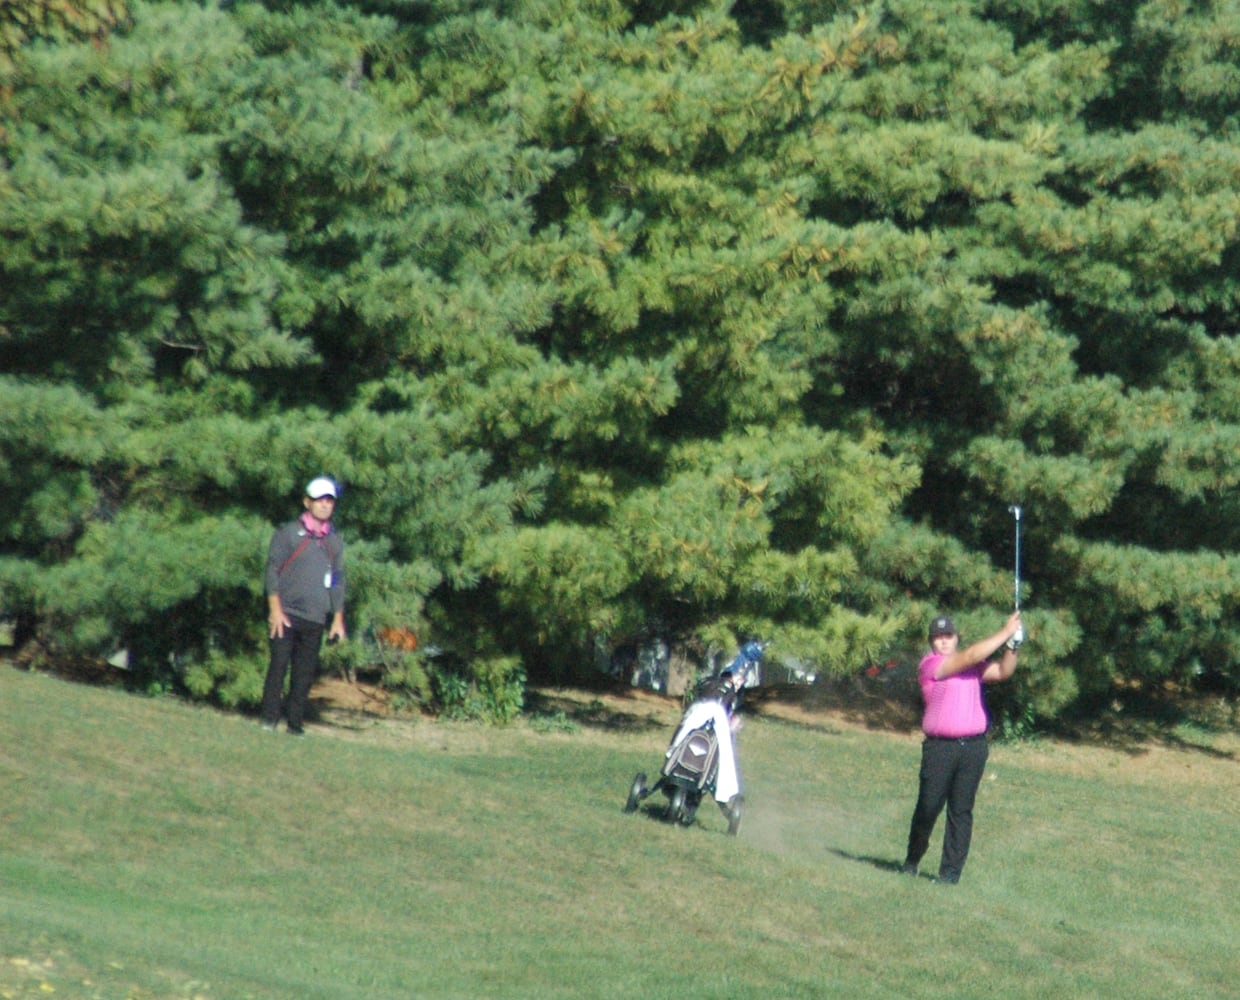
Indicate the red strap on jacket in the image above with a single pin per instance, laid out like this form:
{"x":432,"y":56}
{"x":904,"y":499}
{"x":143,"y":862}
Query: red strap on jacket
{"x":305,"y":543}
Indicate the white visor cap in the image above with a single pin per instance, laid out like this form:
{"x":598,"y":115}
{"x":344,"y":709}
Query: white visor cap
{"x":321,"y":487}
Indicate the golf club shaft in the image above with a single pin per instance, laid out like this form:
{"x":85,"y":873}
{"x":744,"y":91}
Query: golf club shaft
{"x":1016,"y":512}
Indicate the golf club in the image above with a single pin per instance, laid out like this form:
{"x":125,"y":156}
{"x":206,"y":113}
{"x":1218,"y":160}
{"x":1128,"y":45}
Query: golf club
{"x":1015,"y":509}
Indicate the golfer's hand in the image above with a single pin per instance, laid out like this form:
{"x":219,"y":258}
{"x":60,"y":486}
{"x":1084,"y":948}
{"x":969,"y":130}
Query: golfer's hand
{"x":1016,"y":632}
{"x":276,"y":624}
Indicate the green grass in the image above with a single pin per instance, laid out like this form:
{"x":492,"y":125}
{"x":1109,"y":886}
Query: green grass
{"x":152,"y":849}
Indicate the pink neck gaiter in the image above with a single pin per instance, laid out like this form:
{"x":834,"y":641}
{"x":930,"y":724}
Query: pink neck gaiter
{"x":314,"y":527}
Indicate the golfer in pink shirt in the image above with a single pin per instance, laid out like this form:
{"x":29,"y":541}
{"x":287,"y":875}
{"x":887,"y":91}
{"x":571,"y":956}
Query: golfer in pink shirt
{"x":954,"y":751}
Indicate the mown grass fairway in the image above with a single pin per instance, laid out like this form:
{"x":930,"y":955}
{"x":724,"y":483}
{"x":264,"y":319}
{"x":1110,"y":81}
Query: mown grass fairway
{"x":154,"y":850}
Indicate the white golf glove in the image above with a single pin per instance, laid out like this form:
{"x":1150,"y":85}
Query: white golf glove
{"x":1018,"y":637}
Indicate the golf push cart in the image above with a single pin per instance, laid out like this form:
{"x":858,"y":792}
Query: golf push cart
{"x":691,"y":765}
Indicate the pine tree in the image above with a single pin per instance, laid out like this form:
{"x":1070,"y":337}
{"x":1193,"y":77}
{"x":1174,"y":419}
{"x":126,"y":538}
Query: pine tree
{"x":24,"y":21}
{"x":629,"y":320}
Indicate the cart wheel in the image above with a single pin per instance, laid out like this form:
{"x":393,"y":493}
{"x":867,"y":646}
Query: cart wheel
{"x":636,"y":793}
{"x":676,"y":804}
{"x":689,"y":810}
{"x":735,"y":810}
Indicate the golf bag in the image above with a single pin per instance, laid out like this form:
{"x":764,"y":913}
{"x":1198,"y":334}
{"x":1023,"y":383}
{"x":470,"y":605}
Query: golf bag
{"x":691,"y":764}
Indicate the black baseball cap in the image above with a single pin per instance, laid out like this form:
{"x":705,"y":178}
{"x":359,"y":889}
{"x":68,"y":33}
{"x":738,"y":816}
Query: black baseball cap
{"x":942,"y":626}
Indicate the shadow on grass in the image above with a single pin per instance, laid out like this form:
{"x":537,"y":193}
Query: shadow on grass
{"x":591,"y":714}
{"x":1136,"y":738}
{"x":890,"y":703}
{"x":773,"y":718}
{"x":882,"y":864}
{"x":655,"y":811}
{"x":1133,"y":722}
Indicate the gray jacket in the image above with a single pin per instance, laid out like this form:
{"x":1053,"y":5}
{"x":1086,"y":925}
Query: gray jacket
{"x":311,"y":586}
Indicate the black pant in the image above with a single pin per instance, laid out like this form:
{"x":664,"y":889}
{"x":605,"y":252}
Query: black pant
{"x":298,"y":648}
{"x":951,"y":771}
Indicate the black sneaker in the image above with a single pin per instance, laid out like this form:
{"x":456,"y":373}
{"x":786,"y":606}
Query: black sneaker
{"x":947,"y":880}
{"x":908,"y":868}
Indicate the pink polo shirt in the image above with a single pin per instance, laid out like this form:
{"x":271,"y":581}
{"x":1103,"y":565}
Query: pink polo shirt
{"x":954,"y":706}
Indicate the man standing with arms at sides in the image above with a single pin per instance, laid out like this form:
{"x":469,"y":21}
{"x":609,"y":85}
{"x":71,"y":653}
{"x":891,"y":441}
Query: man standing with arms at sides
{"x":305,"y":586}
{"x":954,"y":752}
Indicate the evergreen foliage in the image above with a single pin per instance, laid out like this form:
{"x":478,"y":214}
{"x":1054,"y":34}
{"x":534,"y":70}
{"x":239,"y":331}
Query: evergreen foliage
{"x":22,"y":21}
{"x":626,"y":320}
